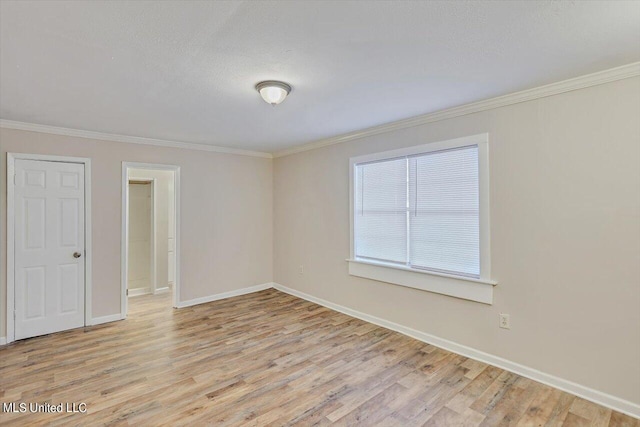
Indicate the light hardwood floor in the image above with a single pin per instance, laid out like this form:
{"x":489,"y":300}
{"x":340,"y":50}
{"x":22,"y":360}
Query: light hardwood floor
{"x":269,"y":359}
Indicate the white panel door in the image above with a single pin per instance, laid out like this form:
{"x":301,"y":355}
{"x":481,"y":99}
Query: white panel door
{"x":49,"y":247}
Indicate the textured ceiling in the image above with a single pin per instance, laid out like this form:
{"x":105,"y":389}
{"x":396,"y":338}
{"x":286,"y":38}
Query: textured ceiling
{"x":186,"y":71}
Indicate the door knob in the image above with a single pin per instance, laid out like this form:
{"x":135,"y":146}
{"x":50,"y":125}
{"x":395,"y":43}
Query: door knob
{"x":77,"y":254}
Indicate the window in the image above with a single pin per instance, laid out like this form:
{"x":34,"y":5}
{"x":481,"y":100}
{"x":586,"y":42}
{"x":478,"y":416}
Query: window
{"x":424,"y":210}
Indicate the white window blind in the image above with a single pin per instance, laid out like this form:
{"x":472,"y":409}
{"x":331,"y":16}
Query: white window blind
{"x":381,"y":211}
{"x":444,"y":214}
{"x":421,"y":211}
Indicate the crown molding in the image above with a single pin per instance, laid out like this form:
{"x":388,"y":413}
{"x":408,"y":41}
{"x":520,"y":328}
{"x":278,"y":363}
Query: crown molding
{"x":33,"y":127}
{"x":581,"y":82}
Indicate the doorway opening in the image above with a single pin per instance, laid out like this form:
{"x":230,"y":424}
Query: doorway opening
{"x":143,"y":230}
{"x":150,"y":239}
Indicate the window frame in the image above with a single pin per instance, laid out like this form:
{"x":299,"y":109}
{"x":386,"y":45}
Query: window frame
{"x":461,"y":286}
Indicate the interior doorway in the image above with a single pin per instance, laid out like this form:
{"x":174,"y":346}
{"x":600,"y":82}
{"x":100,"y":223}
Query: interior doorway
{"x":141,"y":274}
{"x":150,"y":233}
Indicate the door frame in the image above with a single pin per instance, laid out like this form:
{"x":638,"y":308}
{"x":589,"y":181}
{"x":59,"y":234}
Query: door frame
{"x":124,"y":239}
{"x":11,"y":159}
{"x":153,"y":277}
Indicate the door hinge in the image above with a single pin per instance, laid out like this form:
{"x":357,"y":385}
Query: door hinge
{"x":127,"y":292}
{"x":15,"y":179}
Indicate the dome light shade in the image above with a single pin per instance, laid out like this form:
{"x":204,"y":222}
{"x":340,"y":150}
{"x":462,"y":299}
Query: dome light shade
{"x":273,"y":92}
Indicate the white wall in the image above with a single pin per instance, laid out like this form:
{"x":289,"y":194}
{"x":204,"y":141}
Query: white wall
{"x":565,"y":235}
{"x":226,"y":214}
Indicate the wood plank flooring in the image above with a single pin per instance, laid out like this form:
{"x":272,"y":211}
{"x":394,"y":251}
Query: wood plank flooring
{"x":269,"y":358}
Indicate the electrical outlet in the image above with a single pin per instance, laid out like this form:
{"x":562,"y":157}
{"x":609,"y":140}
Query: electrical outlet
{"x":301,"y":270}
{"x":505,"y":321}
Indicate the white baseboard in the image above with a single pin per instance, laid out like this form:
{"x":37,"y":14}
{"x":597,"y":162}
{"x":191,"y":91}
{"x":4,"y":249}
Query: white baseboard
{"x":138,"y":291}
{"x":604,"y":399}
{"x":106,"y":319}
{"x":235,"y":293}
{"x":162,"y":290}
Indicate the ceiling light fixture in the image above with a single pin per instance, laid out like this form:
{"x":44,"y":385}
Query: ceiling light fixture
{"x":273,"y":92}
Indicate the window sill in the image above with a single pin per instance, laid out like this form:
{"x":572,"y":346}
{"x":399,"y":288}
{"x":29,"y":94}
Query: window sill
{"x":456,"y":286}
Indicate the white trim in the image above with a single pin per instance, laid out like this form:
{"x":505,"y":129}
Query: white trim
{"x":106,"y":319}
{"x":88,"y":268}
{"x":429,"y":272}
{"x":484,"y":209}
{"x":139,"y":291}
{"x":581,"y":82}
{"x":3,"y":340}
{"x":604,"y":399}
{"x":161,"y":290}
{"x":11,"y":158}
{"x":11,"y":248}
{"x":55,"y":130}
{"x":124,"y":244}
{"x":224,"y":295}
{"x":446,"y":284}
{"x":464,"y":141}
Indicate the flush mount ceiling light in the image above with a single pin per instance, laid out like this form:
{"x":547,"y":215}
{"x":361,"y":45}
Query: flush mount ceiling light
{"x":273,"y":92}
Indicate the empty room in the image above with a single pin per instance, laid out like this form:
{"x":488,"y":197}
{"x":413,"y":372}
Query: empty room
{"x":315,"y":212}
